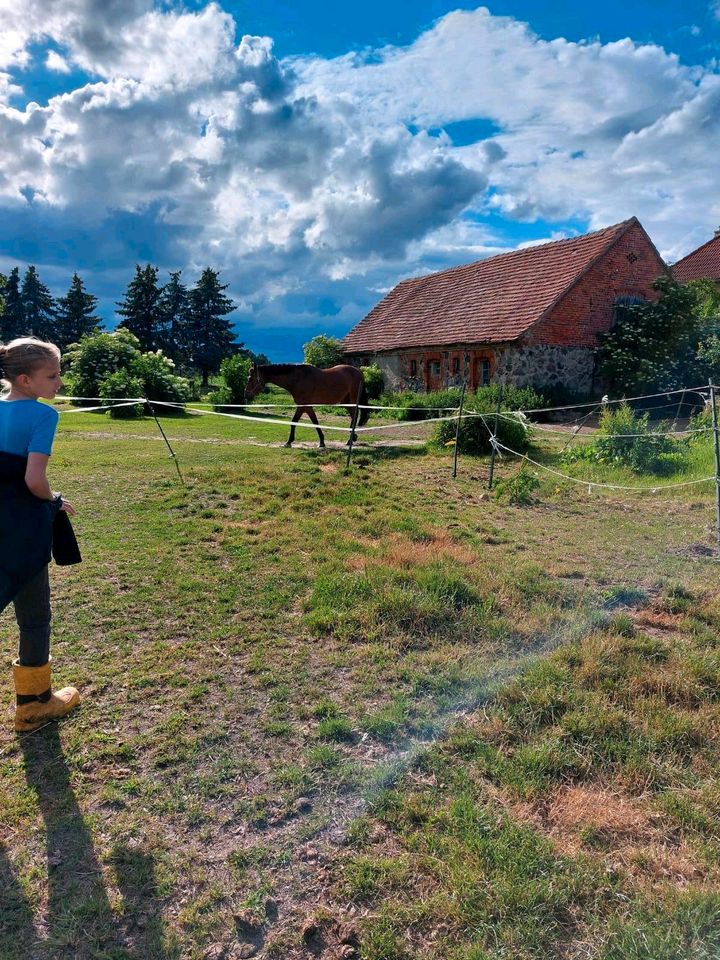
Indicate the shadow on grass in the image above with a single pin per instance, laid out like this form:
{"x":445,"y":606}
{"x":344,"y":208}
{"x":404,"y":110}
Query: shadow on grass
{"x":365,"y":455}
{"x":80,"y":920}
{"x":16,"y":918}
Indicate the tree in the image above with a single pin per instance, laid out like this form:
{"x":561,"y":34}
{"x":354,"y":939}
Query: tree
{"x":323,"y":351}
{"x":655,"y":346}
{"x":76,"y":316}
{"x":3,"y":281}
{"x":39,"y":308}
{"x":210,"y":336}
{"x":174,"y":306}
{"x":12,"y":321}
{"x":235,"y":371}
{"x":141,"y":308}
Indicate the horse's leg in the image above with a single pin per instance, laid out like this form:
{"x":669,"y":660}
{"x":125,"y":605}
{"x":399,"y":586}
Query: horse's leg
{"x":351,"y":414}
{"x":296,"y":416}
{"x":311,"y":414}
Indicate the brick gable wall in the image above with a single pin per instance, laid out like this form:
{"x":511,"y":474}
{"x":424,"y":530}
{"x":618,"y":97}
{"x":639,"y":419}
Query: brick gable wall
{"x":586,"y":310}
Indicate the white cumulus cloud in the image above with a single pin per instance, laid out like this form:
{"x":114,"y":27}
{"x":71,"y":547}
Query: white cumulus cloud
{"x":319,"y":177}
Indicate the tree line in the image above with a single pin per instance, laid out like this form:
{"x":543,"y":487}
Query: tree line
{"x":189,"y":324}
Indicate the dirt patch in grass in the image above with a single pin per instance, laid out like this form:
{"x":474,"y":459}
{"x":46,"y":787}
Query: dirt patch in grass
{"x":401,"y":552}
{"x":624,"y":830}
{"x":657,"y":620}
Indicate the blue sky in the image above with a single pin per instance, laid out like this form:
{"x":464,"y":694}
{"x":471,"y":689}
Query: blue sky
{"x":317,"y":154}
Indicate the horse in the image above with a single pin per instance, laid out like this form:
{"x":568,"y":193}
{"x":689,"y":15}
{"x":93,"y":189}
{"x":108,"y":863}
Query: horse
{"x":308,"y":385}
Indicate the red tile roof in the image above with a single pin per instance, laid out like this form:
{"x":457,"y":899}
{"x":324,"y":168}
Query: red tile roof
{"x":703,"y":262}
{"x":491,"y":300}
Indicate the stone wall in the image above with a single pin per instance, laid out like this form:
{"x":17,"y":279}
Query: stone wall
{"x":511,"y":363}
{"x":545,"y":366}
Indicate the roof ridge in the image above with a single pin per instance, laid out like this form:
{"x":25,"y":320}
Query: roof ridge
{"x":697,"y":249}
{"x":500,"y":297}
{"x":615,"y":227}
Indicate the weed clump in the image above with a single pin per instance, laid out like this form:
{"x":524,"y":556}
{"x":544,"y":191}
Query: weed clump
{"x":519,"y":490}
{"x":627,"y":439}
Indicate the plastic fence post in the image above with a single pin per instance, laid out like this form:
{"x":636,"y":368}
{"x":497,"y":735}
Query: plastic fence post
{"x":457,"y":430}
{"x":495,"y":429}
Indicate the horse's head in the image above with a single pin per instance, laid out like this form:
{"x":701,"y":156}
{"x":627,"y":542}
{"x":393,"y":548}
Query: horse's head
{"x":255,"y":383}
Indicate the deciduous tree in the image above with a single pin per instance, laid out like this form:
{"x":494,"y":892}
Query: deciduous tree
{"x":323,"y":351}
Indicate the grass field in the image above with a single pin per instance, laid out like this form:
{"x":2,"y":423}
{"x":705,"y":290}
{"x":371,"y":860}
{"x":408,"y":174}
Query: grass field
{"x":373,"y":714}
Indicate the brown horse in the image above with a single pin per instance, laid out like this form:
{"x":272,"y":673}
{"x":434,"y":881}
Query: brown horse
{"x":310,"y":386}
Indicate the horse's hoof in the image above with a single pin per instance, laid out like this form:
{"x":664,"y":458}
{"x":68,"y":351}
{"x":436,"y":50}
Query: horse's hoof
{"x":322,"y":447}
{"x":287,"y":445}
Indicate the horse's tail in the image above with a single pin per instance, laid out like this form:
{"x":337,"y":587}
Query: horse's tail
{"x":365,"y":413}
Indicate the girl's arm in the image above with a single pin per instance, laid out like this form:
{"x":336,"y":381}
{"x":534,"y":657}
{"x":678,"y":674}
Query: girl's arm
{"x":36,"y":477}
{"x":37,"y":482}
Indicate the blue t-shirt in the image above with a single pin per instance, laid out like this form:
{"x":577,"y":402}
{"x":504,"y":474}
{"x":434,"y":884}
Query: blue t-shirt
{"x":27,"y":426}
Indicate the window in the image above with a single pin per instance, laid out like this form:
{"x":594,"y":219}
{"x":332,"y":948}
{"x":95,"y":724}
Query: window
{"x":624,"y":305}
{"x":413,"y":368}
{"x":483,"y":372}
{"x":434,"y":368}
{"x":456,"y":366}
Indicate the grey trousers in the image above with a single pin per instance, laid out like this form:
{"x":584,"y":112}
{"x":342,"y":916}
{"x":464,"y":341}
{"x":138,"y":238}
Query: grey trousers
{"x":33,"y":615}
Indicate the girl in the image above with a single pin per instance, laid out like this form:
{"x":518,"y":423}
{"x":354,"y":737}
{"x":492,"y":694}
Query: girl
{"x":28,"y":509}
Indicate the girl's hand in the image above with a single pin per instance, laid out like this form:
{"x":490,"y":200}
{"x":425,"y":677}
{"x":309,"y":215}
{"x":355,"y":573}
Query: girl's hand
{"x":67,"y":507}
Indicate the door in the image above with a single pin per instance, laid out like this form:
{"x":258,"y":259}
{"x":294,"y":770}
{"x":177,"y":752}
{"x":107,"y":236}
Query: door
{"x":433,"y":374}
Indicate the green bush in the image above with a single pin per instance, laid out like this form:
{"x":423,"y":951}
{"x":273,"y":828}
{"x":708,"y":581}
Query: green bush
{"x":123,"y":384}
{"x":111,"y":365}
{"x":627,"y":439}
{"x":511,"y":398}
{"x":421,"y":406}
{"x":374,"y":381}
{"x":95,"y":358}
{"x":156,"y":373}
{"x":519,"y":490}
{"x":235,"y":372}
{"x":475,"y":431}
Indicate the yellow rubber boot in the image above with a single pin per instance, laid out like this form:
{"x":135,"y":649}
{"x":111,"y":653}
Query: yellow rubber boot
{"x":36,"y":703}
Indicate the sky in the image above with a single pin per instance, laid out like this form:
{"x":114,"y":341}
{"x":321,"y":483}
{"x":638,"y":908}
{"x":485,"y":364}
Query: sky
{"x":316,"y":154}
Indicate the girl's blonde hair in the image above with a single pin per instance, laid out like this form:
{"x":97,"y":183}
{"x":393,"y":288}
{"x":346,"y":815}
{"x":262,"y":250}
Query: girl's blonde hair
{"x":25,"y":355}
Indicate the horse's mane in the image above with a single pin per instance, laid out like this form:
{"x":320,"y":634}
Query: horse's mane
{"x":280,"y":367}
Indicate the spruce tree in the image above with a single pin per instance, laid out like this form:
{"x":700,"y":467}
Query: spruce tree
{"x":76,"y":316}
{"x":39,"y":308}
{"x":12,"y":321}
{"x":210,"y":335}
{"x":174,"y":305}
{"x":141,"y":309}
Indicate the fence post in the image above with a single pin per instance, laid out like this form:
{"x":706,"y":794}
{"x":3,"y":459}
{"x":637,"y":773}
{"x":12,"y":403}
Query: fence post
{"x":355,"y":418}
{"x":457,"y":430}
{"x":492,"y":455}
{"x":173,"y":456}
{"x":717,"y":464}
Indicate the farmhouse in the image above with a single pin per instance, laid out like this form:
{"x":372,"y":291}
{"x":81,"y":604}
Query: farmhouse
{"x":703,"y":262}
{"x":530,"y":317}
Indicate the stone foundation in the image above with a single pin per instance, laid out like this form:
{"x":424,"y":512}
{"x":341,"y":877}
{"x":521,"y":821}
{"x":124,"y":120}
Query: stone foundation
{"x":535,"y":366}
{"x":545,"y":366}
